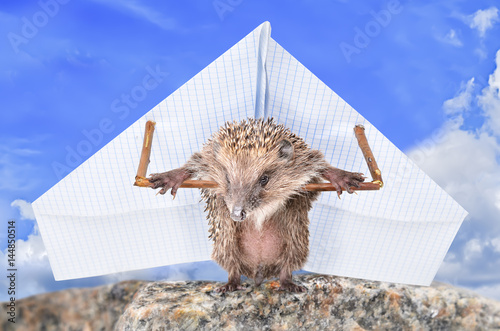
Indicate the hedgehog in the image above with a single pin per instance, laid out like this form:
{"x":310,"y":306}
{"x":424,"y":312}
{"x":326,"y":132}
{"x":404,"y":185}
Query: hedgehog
{"x":258,"y":214}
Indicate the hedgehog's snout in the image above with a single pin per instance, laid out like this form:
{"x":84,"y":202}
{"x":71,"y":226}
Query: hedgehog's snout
{"x":238,"y":214}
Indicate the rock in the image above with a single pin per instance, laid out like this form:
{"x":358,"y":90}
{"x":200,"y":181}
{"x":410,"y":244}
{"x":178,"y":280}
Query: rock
{"x":75,"y":309}
{"x":329,"y":303}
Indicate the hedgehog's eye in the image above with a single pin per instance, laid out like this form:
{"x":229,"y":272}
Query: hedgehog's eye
{"x":264,"y":180}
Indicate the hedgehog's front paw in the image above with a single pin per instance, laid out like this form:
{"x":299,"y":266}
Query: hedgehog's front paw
{"x":343,"y":180}
{"x":169,"y":180}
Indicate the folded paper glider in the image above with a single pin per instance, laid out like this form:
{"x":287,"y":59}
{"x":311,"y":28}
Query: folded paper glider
{"x":95,"y":222}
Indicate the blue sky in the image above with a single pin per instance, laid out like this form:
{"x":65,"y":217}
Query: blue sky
{"x":427,"y":78}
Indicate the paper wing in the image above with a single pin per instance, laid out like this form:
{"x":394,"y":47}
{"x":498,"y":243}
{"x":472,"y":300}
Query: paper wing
{"x":94,"y":222}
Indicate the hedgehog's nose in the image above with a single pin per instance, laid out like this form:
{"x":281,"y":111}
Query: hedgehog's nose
{"x":238,"y":214}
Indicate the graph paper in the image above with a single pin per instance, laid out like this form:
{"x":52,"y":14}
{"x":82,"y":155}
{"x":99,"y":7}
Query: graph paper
{"x":95,"y":222}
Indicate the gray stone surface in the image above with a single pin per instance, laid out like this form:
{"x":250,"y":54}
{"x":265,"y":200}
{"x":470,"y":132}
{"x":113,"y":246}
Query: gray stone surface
{"x":334,"y":303}
{"x":330,"y":303}
{"x":86,"y":309}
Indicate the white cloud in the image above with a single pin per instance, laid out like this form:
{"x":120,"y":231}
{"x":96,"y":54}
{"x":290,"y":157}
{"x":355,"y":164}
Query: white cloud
{"x":449,"y":271}
{"x":462,"y":101}
{"x":151,"y":15}
{"x":173,"y":272}
{"x":481,"y":52}
{"x":472,"y":249}
{"x":495,"y":244}
{"x":32,"y":265}
{"x":16,"y":163}
{"x":139,"y":9}
{"x":490,"y":99}
{"x":206,"y":270}
{"x":19,"y":151}
{"x":483,"y":20}
{"x":489,"y":291}
{"x":466,"y":163}
{"x":30,"y":251}
{"x":452,"y":39}
{"x":25,"y":209}
{"x":13,"y":169}
{"x":497,"y":203}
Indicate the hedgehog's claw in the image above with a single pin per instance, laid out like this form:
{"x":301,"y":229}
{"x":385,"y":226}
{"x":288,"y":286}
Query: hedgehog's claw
{"x":229,"y":287}
{"x":342,"y":179}
{"x":292,"y":287}
{"x":170,"y":180}
{"x":287,"y":284}
{"x":233,"y":284}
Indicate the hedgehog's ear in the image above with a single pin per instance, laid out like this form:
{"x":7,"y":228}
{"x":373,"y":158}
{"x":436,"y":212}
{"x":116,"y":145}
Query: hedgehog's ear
{"x":285,"y":150}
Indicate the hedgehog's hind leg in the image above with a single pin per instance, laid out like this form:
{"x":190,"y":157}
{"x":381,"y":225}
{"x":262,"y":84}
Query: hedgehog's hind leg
{"x":233,"y":284}
{"x":259,"y":276}
{"x":287,"y":284}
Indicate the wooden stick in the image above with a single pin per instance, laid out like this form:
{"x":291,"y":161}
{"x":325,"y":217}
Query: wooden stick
{"x":359,"y":132}
{"x":190,"y":183}
{"x":329,"y":187}
{"x":140,"y":178}
{"x":142,"y":181}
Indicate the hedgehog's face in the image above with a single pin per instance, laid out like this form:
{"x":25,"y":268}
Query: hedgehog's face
{"x":252,"y":185}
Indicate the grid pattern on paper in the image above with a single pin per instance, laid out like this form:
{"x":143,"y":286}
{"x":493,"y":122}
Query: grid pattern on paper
{"x":400,"y":233}
{"x":92,"y":227}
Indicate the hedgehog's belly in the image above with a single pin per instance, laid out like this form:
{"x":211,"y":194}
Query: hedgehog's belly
{"x":260,"y":247}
